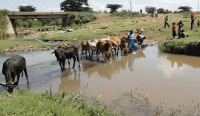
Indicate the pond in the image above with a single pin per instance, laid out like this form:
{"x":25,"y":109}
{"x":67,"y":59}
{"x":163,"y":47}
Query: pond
{"x":134,"y":84}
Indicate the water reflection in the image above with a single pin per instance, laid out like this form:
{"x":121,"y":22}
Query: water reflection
{"x":182,"y":60}
{"x":113,"y":66}
{"x":70,"y":81}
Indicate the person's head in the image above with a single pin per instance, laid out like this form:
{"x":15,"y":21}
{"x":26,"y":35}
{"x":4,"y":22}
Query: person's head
{"x":131,"y":31}
{"x":181,"y":21}
{"x":173,"y":23}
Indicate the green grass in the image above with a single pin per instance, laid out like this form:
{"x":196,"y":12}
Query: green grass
{"x":7,"y":44}
{"x":107,"y":26}
{"x":36,"y":104}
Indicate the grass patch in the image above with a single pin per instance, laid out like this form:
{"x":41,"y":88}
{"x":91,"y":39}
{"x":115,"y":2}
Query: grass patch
{"x":190,"y":46}
{"x":7,"y":44}
{"x":28,"y":104}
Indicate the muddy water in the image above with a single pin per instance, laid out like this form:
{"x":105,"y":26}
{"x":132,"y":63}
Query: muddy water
{"x":135,"y":84}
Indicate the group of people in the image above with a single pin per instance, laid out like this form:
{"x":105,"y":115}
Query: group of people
{"x":139,"y":39}
{"x":181,"y":31}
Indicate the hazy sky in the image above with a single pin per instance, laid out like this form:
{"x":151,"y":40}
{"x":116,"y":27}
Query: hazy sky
{"x":54,"y":5}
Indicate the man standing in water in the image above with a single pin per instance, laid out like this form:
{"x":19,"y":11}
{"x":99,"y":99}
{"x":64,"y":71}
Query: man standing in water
{"x":192,"y":15}
{"x":166,"y":22}
{"x":131,"y":41}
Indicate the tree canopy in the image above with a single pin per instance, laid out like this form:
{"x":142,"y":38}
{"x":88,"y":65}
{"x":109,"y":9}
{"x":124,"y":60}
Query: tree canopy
{"x":74,"y":5}
{"x":150,"y":9}
{"x":185,"y":8}
{"x":27,"y":8}
{"x":113,"y":7}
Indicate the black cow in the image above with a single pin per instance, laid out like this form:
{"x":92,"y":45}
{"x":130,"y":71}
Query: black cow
{"x":66,"y":53}
{"x":14,"y":66}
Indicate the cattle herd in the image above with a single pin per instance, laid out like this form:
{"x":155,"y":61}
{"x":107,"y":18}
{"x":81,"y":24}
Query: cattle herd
{"x":16,"y":65}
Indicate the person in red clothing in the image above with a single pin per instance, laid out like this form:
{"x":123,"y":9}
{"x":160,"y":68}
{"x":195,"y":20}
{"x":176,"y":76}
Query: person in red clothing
{"x":192,"y":15}
{"x":174,"y":30}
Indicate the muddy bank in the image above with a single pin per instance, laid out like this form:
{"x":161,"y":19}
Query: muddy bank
{"x":23,"y":48}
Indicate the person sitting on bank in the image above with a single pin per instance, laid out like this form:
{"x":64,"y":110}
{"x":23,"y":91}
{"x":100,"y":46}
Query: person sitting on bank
{"x":174,"y":30}
{"x":182,"y":34}
{"x":131,"y":40}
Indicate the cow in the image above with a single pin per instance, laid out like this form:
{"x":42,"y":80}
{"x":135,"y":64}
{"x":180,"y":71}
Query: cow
{"x":66,"y":53}
{"x":124,"y":45}
{"x":104,"y":47}
{"x":116,"y":44}
{"x":13,"y":67}
{"x":85,"y":46}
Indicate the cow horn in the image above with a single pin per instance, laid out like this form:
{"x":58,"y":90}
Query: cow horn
{"x":52,"y":52}
{"x":6,"y":85}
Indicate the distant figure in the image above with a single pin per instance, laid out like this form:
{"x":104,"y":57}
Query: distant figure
{"x":166,"y":22}
{"x":198,"y":23}
{"x":180,"y":26}
{"x":156,"y":13}
{"x":140,"y":11}
{"x":192,"y":15}
{"x":131,"y":40}
{"x":174,"y":30}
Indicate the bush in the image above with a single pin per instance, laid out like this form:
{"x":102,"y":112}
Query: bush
{"x":189,"y":46}
{"x":81,"y":18}
{"x":127,"y":14}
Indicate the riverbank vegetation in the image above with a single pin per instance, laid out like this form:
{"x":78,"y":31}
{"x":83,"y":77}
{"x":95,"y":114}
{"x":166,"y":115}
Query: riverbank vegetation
{"x":3,"y":24}
{"x":38,"y":104}
{"x":20,"y":45}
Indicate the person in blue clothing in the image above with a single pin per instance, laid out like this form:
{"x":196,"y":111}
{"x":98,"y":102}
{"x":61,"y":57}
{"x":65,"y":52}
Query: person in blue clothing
{"x":131,"y":40}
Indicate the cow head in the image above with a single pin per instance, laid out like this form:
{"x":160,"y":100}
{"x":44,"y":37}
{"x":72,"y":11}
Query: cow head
{"x":58,"y":53}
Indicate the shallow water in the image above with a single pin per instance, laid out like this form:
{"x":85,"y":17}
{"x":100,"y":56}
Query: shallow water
{"x":134,"y":84}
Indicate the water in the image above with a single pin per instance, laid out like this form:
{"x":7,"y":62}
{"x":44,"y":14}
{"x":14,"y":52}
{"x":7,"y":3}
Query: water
{"x":135,"y":84}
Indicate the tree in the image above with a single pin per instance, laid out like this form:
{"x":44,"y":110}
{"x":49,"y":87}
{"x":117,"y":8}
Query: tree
{"x":113,"y":7}
{"x":74,"y":5}
{"x":185,"y":8}
{"x":27,"y":8}
{"x":150,"y":9}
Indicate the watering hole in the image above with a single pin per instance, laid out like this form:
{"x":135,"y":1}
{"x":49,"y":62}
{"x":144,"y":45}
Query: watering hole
{"x":134,"y":84}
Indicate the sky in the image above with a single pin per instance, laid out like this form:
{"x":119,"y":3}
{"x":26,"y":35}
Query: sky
{"x":97,"y":5}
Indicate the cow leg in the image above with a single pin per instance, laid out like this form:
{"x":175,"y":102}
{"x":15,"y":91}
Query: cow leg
{"x":63,"y":63}
{"x":60,"y":65}
{"x":86,"y":54}
{"x":78,"y":60}
{"x":18,"y":76}
{"x":97,"y":55}
{"x":74,"y":58}
{"x":26,"y":74}
{"x":69,"y":63}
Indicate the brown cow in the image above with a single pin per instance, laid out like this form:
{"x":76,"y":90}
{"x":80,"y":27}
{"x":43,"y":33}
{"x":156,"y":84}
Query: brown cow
{"x":116,"y":44}
{"x":63,"y":45}
{"x":124,"y":45}
{"x":85,"y":47}
{"x":104,"y":47}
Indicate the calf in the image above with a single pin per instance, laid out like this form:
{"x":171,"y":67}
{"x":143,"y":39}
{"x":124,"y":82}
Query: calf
{"x":66,"y":53}
{"x":12,"y":67}
{"x":85,"y":47}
